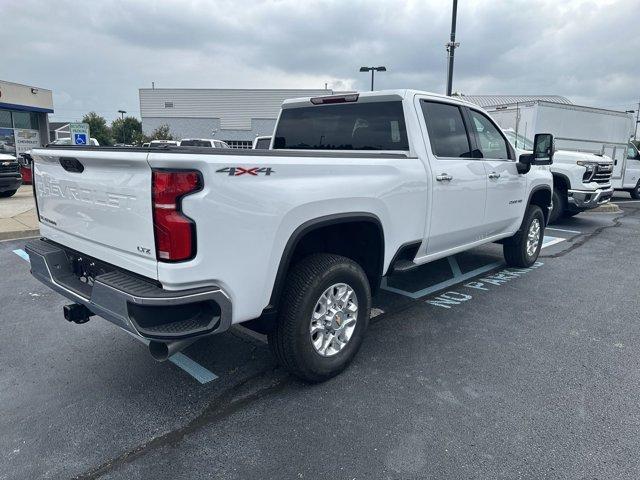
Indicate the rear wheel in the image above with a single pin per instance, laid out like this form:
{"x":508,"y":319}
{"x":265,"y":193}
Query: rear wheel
{"x":523,"y":248}
{"x":324,"y":314}
{"x":635,"y":193}
{"x":7,"y":193}
{"x":559,"y":199}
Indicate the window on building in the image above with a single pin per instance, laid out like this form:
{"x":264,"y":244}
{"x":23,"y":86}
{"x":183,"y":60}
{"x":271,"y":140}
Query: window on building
{"x":27,"y":120}
{"x":239,"y":143}
{"x":447,"y":133}
{"x":345,"y":126}
{"x":168,"y":104}
{"x":5,"y":119}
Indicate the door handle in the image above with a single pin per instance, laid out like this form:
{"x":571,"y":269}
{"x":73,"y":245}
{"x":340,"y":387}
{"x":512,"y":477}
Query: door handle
{"x":494,"y":175}
{"x":443,"y":177}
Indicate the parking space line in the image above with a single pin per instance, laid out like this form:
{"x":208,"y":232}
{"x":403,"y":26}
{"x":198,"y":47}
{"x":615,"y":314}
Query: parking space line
{"x":250,"y":333}
{"x":548,"y":241}
{"x":562,"y":230}
{"x":439,"y":286}
{"x":193,"y":368}
{"x":22,"y":254}
{"x":455,"y":268}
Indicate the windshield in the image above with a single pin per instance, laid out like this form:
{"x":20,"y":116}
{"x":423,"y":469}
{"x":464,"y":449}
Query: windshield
{"x":263,"y":143}
{"x":518,"y":141}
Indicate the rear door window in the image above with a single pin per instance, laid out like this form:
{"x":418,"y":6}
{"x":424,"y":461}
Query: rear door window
{"x":345,"y":126}
{"x":447,"y":132}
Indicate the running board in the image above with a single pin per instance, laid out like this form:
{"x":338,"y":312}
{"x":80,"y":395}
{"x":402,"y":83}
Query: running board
{"x":402,"y":266}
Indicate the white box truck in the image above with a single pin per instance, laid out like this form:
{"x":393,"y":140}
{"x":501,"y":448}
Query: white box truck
{"x":580,"y":183}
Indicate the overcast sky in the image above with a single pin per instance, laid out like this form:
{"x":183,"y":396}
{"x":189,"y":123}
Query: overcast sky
{"x":95,"y":55}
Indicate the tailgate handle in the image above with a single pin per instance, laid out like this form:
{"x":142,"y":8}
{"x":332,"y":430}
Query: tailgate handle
{"x":71,"y":164}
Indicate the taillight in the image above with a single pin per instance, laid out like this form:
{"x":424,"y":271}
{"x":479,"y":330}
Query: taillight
{"x":175,"y":233}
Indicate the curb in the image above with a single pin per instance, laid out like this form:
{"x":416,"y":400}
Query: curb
{"x":16,"y":234}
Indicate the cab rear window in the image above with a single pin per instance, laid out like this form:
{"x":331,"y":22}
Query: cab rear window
{"x":344,"y":126}
{"x":195,"y":143}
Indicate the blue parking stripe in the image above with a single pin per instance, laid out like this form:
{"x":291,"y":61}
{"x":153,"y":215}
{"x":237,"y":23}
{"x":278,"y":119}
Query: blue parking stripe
{"x":439,"y":286}
{"x":22,"y":254}
{"x":193,"y":368}
{"x":455,"y":268}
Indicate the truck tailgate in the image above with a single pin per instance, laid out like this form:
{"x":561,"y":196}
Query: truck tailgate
{"x":98,"y":202}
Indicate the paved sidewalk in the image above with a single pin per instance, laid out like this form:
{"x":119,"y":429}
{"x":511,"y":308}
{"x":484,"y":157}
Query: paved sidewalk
{"x":18,"y":217}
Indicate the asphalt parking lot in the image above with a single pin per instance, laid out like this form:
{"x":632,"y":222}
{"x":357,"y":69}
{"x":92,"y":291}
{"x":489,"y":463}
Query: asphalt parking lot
{"x":469,"y":370}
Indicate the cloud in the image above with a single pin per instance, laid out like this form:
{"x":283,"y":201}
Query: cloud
{"x":97,"y":56}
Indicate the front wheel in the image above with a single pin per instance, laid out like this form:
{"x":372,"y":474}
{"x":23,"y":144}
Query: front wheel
{"x":635,"y":193}
{"x":523,"y":248}
{"x":324,"y":314}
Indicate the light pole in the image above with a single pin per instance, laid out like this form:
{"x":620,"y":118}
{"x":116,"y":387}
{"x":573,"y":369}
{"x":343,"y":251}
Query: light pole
{"x":451,"y":47}
{"x":373,"y":70}
{"x":124,"y":138}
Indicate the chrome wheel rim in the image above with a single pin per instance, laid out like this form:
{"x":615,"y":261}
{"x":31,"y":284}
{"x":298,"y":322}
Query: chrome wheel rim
{"x":334,"y":319}
{"x":533,"y":237}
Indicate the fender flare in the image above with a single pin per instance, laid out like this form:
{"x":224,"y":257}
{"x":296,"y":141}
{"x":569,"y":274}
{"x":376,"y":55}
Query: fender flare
{"x":563,"y":177}
{"x":540,"y":188}
{"x":308,"y":227}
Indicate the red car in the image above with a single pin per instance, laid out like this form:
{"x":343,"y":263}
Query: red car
{"x":25,"y":168}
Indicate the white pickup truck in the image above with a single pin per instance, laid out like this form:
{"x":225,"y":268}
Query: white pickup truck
{"x":178,"y":243}
{"x":581,"y":180}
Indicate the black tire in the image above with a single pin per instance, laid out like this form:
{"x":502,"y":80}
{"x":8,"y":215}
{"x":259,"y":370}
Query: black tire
{"x":635,"y":193}
{"x":7,"y":193}
{"x":515,"y":248}
{"x":290,"y":340}
{"x":559,"y":199}
{"x":571,"y":213}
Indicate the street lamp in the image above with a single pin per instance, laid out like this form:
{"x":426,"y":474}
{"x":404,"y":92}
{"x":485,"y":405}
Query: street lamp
{"x":373,"y":70}
{"x":451,"y":46}
{"x":124,"y":138}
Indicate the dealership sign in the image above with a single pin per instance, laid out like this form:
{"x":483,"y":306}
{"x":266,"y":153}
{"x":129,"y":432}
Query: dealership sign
{"x":26,"y":140}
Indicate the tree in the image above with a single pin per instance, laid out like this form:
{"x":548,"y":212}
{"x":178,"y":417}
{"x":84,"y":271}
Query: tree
{"x":126,"y":130}
{"x":163,"y":132}
{"x":98,"y":128}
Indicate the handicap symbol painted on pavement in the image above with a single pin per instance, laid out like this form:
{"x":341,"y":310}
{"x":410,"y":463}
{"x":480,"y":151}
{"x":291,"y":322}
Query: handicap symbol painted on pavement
{"x":80,"y":138}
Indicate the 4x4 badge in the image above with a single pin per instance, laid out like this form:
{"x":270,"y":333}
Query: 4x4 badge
{"x":253,"y":171}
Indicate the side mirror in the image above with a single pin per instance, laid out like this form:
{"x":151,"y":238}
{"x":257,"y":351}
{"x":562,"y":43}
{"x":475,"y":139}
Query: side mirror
{"x":543,"y":149}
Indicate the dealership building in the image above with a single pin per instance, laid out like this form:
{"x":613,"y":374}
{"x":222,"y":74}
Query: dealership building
{"x":235,"y":116}
{"x":24,"y":122}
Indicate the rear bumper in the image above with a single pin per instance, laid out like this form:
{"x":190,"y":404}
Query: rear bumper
{"x":587,"y":199}
{"x":10,"y":182}
{"x":131,"y":302}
